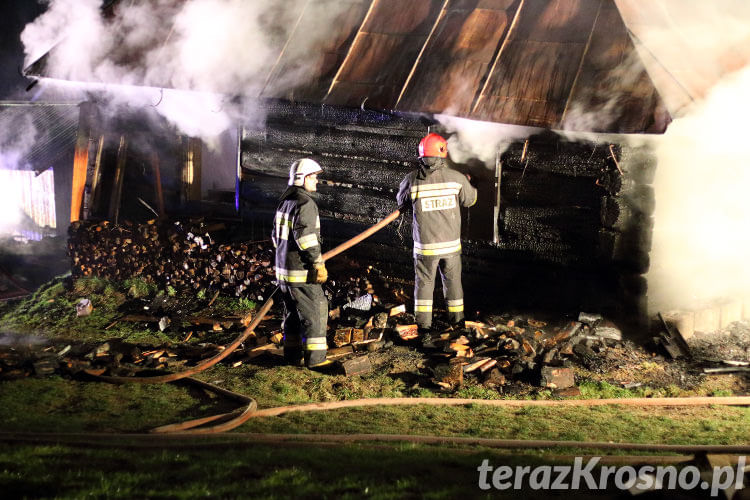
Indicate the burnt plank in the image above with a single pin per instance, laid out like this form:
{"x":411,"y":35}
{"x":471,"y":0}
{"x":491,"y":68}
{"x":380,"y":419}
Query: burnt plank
{"x":343,"y":118}
{"x":378,"y":176}
{"x":612,"y":72}
{"x":562,"y":235}
{"x":263,"y":191}
{"x":383,"y":53}
{"x":533,"y":75}
{"x":343,"y":142}
{"x":553,"y":223}
{"x":540,"y":188}
{"x":620,"y":214}
{"x":557,"y":156}
{"x":316,"y":61}
{"x":458,"y":57}
{"x":530,"y":84}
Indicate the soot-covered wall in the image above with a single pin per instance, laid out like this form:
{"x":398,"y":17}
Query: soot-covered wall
{"x":573,"y":225}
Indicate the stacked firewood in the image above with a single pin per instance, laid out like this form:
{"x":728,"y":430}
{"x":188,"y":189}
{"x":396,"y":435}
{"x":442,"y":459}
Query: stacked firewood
{"x":179,"y":255}
{"x":519,"y":349}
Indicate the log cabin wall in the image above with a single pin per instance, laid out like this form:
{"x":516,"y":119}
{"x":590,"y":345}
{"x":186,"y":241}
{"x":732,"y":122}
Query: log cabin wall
{"x":574,"y":223}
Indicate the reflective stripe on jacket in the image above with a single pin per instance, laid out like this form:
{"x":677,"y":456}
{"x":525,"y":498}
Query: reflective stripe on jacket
{"x":436,"y":198}
{"x":296,"y":236}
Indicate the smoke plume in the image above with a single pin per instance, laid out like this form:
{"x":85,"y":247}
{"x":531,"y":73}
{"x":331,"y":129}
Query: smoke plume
{"x":481,"y":140}
{"x":701,"y":241}
{"x":211,"y":51}
{"x":695,"y":53}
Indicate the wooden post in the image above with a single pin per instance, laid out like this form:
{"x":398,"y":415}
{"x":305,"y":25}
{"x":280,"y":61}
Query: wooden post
{"x":95,"y":182}
{"x":114,"y":205}
{"x":496,"y":208}
{"x":238,"y":178}
{"x":157,"y":183}
{"x":80,"y":161}
{"x":191,"y":169}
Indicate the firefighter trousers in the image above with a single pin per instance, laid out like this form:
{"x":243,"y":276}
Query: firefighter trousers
{"x":305,"y":320}
{"x":425,"y":268}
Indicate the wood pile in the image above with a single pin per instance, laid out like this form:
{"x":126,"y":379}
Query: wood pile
{"x":524,"y":350}
{"x":181,"y":255}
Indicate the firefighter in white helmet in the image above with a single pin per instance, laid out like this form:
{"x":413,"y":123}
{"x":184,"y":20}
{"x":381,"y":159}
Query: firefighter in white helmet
{"x":436,"y":192}
{"x":300,"y":270}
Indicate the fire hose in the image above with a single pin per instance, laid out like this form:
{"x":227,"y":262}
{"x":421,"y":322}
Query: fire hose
{"x":237,"y":420}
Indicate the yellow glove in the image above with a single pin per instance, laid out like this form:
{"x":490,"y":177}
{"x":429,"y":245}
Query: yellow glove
{"x":321,"y":273}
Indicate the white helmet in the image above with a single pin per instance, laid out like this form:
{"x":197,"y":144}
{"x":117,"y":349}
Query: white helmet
{"x":301,"y":169}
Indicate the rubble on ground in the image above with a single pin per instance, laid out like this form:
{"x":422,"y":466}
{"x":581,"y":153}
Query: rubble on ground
{"x":370,"y":329}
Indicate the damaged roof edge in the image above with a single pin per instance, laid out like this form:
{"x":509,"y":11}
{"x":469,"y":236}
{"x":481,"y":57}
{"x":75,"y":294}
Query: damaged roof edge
{"x":556,"y":65}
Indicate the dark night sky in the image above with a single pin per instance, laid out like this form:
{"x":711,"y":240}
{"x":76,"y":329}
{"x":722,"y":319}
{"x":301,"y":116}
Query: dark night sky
{"x":15,"y":14}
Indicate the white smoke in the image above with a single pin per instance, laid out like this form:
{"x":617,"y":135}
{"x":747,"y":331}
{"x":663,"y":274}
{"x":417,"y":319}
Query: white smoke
{"x":701,"y":238}
{"x":481,"y":140}
{"x":210,"y":51}
{"x":695,"y":52}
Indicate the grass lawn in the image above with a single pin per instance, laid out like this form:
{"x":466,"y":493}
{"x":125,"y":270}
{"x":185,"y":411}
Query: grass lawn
{"x":57,"y":404}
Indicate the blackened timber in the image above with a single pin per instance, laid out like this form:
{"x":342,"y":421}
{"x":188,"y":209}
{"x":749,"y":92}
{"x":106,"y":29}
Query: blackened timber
{"x":539,"y":188}
{"x":574,"y":224}
{"x":380,"y":176}
{"x":324,"y":139}
{"x":629,"y":250}
{"x":114,"y":207}
{"x":563,"y":235}
{"x":368,"y":204}
{"x":355,"y":119}
{"x":619,"y":214}
{"x":549,"y":153}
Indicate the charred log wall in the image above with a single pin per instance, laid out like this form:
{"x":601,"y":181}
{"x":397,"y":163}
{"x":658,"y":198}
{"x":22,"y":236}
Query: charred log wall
{"x":587,"y":208}
{"x":574,"y":223}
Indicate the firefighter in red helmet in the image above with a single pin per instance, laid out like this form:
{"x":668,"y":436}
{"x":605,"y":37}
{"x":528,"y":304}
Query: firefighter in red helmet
{"x":436,"y":193}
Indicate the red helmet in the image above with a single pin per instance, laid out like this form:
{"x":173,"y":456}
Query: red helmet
{"x":433,"y":145}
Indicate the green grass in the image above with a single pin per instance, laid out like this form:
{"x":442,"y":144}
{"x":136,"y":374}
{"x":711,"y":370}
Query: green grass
{"x":57,"y":404}
{"x":246,"y":471}
{"x":725,"y":425}
{"x":61,"y":405}
{"x":282,"y":385}
{"x":51,"y":311}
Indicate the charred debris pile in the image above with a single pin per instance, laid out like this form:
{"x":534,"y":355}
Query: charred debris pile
{"x":368,"y":316}
{"x":507,"y":353}
{"x":369,"y":323}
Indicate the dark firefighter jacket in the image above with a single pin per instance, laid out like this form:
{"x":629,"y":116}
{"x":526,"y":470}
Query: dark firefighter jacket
{"x":296,"y":236}
{"x":436,"y":195}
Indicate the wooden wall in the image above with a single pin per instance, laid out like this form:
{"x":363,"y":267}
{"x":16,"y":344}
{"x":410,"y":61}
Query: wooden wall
{"x":574,"y":223}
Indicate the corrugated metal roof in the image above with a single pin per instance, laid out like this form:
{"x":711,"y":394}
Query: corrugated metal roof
{"x":39,"y":133}
{"x":545,"y":63}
